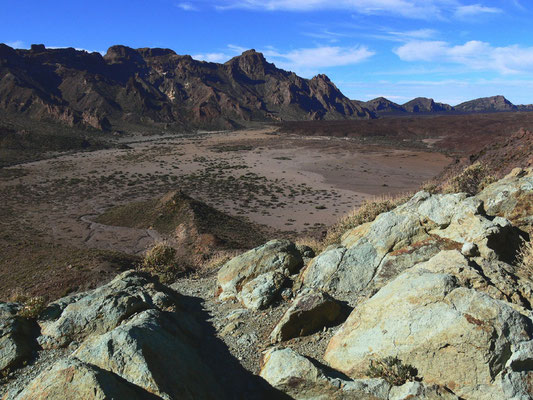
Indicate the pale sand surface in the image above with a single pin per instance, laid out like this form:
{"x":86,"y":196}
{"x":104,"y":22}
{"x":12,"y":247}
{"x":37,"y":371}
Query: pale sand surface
{"x":270,"y":179}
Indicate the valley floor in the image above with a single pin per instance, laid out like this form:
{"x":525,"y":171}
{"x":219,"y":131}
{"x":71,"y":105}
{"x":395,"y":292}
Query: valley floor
{"x":287,"y":183}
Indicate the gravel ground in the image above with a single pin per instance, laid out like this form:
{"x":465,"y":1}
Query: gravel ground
{"x":245,"y":332}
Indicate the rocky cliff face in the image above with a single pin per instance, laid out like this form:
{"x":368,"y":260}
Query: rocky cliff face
{"x":430,"y":294}
{"x":487,"y":104}
{"x":159,"y":86}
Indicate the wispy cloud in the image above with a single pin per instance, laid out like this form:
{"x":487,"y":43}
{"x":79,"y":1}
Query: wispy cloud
{"x":475,"y":10}
{"x":212,"y":57}
{"x":418,"y":9}
{"x":17,"y":44}
{"x":309,"y":61}
{"x":187,"y":7}
{"x":474,"y":54}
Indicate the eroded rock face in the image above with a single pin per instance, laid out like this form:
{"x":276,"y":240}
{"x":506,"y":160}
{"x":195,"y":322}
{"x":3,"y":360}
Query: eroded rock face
{"x":456,"y":337}
{"x":310,"y":311}
{"x":103,"y":309}
{"x":242,"y":278}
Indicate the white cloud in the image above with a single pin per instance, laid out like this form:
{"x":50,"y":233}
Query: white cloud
{"x":17,"y":44}
{"x":187,"y":7}
{"x":475,"y":10}
{"x":308,"y":61}
{"x":419,"y":9}
{"x":212,"y":57}
{"x":474,"y":54}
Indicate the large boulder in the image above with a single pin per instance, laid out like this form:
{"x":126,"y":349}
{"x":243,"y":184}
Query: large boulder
{"x":71,"y":379}
{"x":280,"y":256}
{"x":17,"y":337}
{"x":511,"y":198}
{"x":456,"y":337}
{"x":100,"y":310}
{"x":310,"y":311}
{"x":303,"y":378}
{"x":155,"y":352}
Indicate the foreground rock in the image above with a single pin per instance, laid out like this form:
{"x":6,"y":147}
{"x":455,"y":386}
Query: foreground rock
{"x":245,"y":277}
{"x":310,"y":312}
{"x":511,"y":198}
{"x":103,"y":309}
{"x":455,"y":336}
{"x":303,"y":378}
{"x":372,"y":254}
{"x":72,"y":379}
{"x":17,"y":337}
{"x":137,"y":339}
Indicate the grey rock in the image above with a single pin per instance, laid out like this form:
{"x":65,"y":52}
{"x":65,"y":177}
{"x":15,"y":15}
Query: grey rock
{"x":71,"y":379}
{"x":304,"y":379}
{"x":104,"y":308}
{"x":276,"y":255}
{"x":260,"y":292}
{"x":310,"y":312}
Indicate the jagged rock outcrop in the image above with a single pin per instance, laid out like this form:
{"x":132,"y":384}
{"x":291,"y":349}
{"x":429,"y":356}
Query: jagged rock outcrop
{"x":147,"y":86}
{"x":135,"y":338}
{"x":373,"y":253}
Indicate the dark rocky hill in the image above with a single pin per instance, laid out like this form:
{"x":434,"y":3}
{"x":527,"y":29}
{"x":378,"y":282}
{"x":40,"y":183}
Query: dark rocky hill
{"x":425,"y":105}
{"x":146,"y":86}
{"x":487,"y":104}
{"x":382,"y":106}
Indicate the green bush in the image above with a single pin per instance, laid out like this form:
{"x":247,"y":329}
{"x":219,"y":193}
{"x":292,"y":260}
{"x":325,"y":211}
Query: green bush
{"x":160,"y":260}
{"x":32,"y":307}
{"x":392,"y":370}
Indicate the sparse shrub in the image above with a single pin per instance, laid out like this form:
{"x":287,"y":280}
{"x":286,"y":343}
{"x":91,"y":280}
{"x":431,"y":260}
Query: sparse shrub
{"x":311,"y":242}
{"x":32,"y":307}
{"x":160,"y":260}
{"x":219,"y":259}
{"x":367,"y":212}
{"x":472,"y":180}
{"x":392,"y":370}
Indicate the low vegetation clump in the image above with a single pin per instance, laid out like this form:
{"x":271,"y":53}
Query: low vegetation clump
{"x":161,"y":260}
{"x":32,"y":307}
{"x":217,"y":260}
{"x":472,"y":180}
{"x":311,"y":242}
{"x":367,"y":212}
{"x":392,"y":370}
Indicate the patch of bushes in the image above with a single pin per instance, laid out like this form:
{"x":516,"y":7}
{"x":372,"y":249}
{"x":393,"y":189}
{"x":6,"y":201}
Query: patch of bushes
{"x":32,"y":307}
{"x":392,"y":370}
{"x":472,"y":180}
{"x":161,"y":260}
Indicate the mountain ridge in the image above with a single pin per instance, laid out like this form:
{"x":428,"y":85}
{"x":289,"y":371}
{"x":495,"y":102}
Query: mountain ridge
{"x":153,"y":85}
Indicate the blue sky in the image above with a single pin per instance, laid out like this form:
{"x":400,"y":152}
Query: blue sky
{"x":450,"y":50}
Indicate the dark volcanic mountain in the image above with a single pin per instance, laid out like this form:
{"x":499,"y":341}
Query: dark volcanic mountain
{"x":159,"y":86}
{"x":382,"y":106}
{"x":425,"y":105}
{"x":486,"y":104}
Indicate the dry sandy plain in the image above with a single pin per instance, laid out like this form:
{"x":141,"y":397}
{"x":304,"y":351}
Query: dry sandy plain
{"x":286,"y":182}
